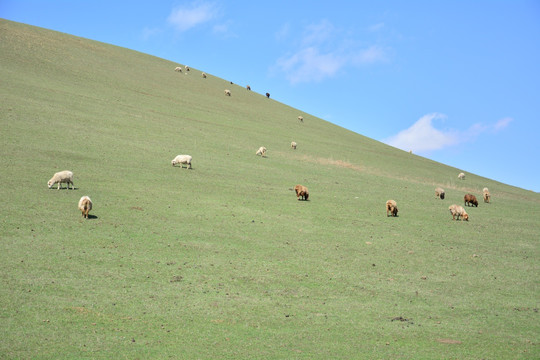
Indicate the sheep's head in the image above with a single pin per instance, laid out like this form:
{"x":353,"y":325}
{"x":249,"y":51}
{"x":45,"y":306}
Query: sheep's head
{"x":50,"y":183}
{"x":173,"y":162}
{"x":465,"y":217}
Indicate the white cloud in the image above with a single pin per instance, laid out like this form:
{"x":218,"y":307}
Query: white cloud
{"x":376,"y":27}
{"x":322,"y":51}
{"x":422,"y":136}
{"x":184,"y":18}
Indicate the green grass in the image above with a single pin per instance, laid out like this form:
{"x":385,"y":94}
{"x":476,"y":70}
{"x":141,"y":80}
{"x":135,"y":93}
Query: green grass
{"x":222,"y":261}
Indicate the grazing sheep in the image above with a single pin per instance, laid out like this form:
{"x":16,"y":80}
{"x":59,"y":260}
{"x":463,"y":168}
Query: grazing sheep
{"x":182,"y":159}
{"x":486,"y":195}
{"x":458,"y":211}
{"x":293,"y":145}
{"x":301,"y":118}
{"x":227,"y":92}
{"x":178,"y":68}
{"x":248,"y":87}
{"x":261,"y":151}
{"x":302,"y":192}
{"x":410,"y":151}
{"x":85,"y":205}
{"x":187,"y":68}
{"x":439,"y":192}
{"x":268,"y":95}
{"x":470,"y":200}
{"x":461,"y":176}
{"x":391,"y":208}
{"x":65,"y":176}
{"x":203,"y":75}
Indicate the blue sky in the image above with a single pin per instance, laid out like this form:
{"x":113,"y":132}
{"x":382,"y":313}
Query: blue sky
{"x":454,"y":81}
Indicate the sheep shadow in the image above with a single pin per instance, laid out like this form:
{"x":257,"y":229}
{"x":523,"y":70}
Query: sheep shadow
{"x":93,"y":217}
{"x":54,"y":188}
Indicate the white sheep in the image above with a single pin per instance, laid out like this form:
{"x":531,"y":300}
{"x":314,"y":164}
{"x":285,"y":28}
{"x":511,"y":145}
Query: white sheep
{"x":65,"y":176}
{"x":182,"y":159}
{"x":486,"y":195}
{"x":301,"y":118}
{"x":461,"y":176}
{"x":261,"y":151}
{"x":227,"y":92}
{"x":439,"y":192}
{"x":293,"y":145}
{"x":187,"y":68}
{"x":178,"y":68}
{"x":85,"y":205}
{"x":203,"y":75}
{"x":458,"y":211}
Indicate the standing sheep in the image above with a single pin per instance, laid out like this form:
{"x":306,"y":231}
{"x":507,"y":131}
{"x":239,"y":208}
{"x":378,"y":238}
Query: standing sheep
{"x":439,"y":193}
{"x":65,"y":176}
{"x":301,"y":118}
{"x":486,"y":195}
{"x":458,"y":211}
{"x":178,"y":69}
{"x":302,"y":192}
{"x":391,"y":208}
{"x":470,"y":200}
{"x":248,"y":87}
{"x":293,"y":145}
{"x":268,"y":95}
{"x":461,"y":176}
{"x":227,"y":92}
{"x":203,"y":75}
{"x":187,"y":68}
{"x":182,"y":159}
{"x":261,"y":151}
{"x":85,"y":205}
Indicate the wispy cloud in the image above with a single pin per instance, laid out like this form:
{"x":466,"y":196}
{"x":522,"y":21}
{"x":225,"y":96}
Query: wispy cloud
{"x":186,"y":17}
{"x":423,"y":136}
{"x":148,"y":33}
{"x":376,"y":27}
{"x":322,"y":51}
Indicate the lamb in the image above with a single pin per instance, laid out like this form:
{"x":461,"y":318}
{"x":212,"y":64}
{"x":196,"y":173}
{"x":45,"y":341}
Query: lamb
{"x":439,"y":192}
{"x":391,"y":208}
{"x":178,"y":69}
{"x":301,"y":118}
{"x":182,"y":159}
{"x":458,"y":211}
{"x":302,"y":192}
{"x":293,"y":145}
{"x":65,"y":176}
{"x":486,"y":195}
{"x":227,"y":92}
{"x":261,"y":151}
{"x":268,"y":95}
{"x":248,"y":87}
{"x":203,"y":75}
{"x":470,"y":200}
{"x":461,"y":176}
{"x":85,"y":205}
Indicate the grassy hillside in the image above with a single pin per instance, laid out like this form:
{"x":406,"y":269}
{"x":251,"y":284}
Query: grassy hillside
{"x":222,"y":261}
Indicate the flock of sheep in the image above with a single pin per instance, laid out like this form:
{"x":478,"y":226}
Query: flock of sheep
{"x":302,"y":192}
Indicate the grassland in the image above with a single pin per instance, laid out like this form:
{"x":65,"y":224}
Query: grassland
{"x":222,"y":261}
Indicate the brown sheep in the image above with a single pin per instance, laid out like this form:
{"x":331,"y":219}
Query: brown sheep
{"x":439,"y":192}
{"x":248,"y":87}
{"x":301,"y":192}
{"x":391,"y":208}
{"x":268,"y":95}
{"x":470,"y":200}
{"x":458,"y":211}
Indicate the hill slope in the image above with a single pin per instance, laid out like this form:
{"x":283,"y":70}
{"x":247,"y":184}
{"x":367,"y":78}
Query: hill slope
{"x":221,"y":261}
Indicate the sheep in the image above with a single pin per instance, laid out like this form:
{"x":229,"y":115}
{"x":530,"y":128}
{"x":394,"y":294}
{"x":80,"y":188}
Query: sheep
{"x":65,"y":176}
{"x":302,"y":192}
{"x":391,"y":208}
{"x":203,"y":75}
{"x":85,"y":205}
{"x":470,"y":200}
{"x":458,"y":211}
{"x":461,"y":176}
{"x":301,"y":118}
{"x":227,"y":92}
{"x":261,"y":151}
{"x":410,"y":151}
{"x":293,"y":145}
{"x":182,"y":159}
{"x":248,"y":87}
{"x":486,"y":195}
{"x":268,"y":95}
{"x":439,"y":192}
{"x":178,"y":69}
{"x":187,"y":68}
